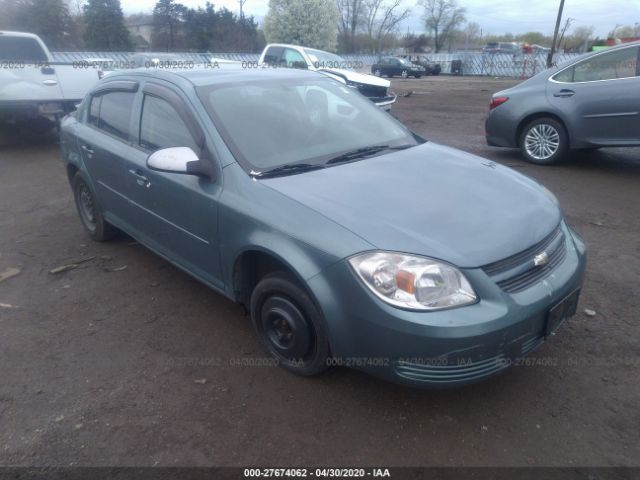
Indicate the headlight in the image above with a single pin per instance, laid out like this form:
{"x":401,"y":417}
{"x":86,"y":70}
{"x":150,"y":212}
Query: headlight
{"x":416,"y":283}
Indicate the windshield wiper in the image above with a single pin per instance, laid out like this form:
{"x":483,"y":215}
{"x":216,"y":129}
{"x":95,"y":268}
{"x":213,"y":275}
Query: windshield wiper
{"x":363,"y":152}
{"x":288,"y":169}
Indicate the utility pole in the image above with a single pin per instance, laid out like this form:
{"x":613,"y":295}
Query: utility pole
{"x":555,"y":35}
{"x":242,"y":2}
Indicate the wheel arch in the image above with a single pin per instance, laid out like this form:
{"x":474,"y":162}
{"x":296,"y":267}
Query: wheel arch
{"x":533,"y":116}
{"x":252,"y":264}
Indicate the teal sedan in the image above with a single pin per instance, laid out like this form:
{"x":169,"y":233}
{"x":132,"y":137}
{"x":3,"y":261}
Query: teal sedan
{"x":350,"y":240}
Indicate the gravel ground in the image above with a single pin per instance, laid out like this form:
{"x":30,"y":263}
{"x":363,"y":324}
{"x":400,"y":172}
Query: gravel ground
{"x":106,"y":365}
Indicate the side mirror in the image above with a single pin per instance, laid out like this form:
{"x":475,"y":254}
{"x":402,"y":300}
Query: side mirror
{"x":179,"y":160}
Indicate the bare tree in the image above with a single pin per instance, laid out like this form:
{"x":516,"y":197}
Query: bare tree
{"x":579,"y":38}
{"x":382,"y":18}
{"x":352,"y":16}
{"x":442,"y":17}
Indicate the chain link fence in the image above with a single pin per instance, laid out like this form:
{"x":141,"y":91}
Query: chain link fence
{"x":477,"y":63}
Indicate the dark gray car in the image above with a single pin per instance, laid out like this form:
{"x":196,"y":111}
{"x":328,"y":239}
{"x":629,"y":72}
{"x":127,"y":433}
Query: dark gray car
{"x":591,"y":102}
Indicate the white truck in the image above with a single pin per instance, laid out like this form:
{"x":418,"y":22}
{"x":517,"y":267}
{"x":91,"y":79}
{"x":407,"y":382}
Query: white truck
{"x":34,"y":90}
{"x":294,"y":56}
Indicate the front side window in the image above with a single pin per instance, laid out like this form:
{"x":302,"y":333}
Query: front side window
{"x":608,"y":66}
{"x":297,"y":120}
{"x":113,"y":113}
{"x":162,"y":127}
{"x":293,"y":59}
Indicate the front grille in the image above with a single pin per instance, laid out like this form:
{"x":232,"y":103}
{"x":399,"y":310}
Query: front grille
{"x":530,"y":345}
{"x":519,"y":272}
{"x":452,"y":373}
{"x":372,"y":91}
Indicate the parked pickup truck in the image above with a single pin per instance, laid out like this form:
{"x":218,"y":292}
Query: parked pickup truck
{"x":330,"y":64}
{"x":34,"y":90}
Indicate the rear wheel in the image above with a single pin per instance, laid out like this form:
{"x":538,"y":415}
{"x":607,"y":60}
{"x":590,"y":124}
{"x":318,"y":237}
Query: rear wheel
{"x":544,"y":141}
{"x":289,"y":325}
{"x":377,"y":72}
{"x":90,"y":214}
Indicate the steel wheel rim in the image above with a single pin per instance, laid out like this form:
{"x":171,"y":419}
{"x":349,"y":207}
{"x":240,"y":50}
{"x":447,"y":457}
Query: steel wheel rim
{"x":405,"y":74}
{"x":286,"y":329}
{"x":377,"y":73}
{"x":87,"y":207}
{"x":542,"y":141}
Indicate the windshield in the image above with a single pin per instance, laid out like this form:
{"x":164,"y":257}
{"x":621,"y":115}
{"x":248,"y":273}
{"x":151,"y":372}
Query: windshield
{"x":270,"y":123}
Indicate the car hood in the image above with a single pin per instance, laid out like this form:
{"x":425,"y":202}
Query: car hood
{"x":430,"y":200}
{"x":358,"y":77}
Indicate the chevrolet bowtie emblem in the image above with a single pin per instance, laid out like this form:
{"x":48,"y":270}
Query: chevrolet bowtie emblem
{"x":541,"y":259}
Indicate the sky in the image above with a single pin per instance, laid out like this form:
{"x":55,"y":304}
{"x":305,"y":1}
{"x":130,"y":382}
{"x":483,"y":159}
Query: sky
{"x":494,"y":16}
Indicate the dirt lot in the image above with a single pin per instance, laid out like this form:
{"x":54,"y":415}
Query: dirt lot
{"x":105,"y":365}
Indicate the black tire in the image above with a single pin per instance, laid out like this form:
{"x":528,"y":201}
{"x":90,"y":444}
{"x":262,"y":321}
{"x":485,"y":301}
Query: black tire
{"x":289,"y":325}
{"x":551,"y":144}
{"x":89,"y":211}
{"x":378,"y":73}
{"x":404,"y":74}
{"x":417,"y":76}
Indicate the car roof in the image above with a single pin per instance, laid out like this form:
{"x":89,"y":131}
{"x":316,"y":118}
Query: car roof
{"x":211,"y":76}
{"x":18,"y":34}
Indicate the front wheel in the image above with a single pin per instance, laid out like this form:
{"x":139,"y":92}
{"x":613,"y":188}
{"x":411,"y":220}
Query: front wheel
{"x":377,"y":72}
{"x":289,"y":325}
{"x":544,"y":141}
{"x":404,"y":74}
{"x":90,"y":214}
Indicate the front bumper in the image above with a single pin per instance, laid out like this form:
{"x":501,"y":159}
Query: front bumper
{"x":444,"y":348}
{"x":384,"y":102}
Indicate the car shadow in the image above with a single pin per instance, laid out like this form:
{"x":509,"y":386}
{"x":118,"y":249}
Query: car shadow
{"x":12,"y":135}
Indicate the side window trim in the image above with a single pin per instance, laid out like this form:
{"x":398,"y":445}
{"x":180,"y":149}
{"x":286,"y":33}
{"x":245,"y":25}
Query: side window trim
{"x":173,"y":99}
{"x":129,"y":86}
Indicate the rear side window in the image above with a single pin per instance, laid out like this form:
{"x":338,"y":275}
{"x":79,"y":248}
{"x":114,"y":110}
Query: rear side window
{"x":111,"y":112}
{"x":94,"y":111}
{"x":618,"y":64}
{"x":162,"y":127}
{"x":21,"y":49}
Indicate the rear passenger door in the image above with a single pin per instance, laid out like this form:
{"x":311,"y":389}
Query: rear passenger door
{"x":177,"y":213}
{"x":105,"y":142}
{"x":600,"y":96}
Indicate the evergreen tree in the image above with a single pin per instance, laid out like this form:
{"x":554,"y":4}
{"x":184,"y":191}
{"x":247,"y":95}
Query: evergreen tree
{"x":168,"y":17}
{"x":105,"y":28}
{"x":49,"y":19}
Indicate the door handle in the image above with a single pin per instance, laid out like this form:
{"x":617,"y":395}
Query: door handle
{"x":140,"y":178}
{"x":87,"y":149}
{"x":564,"y":93}
{"x":50,"y":83}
